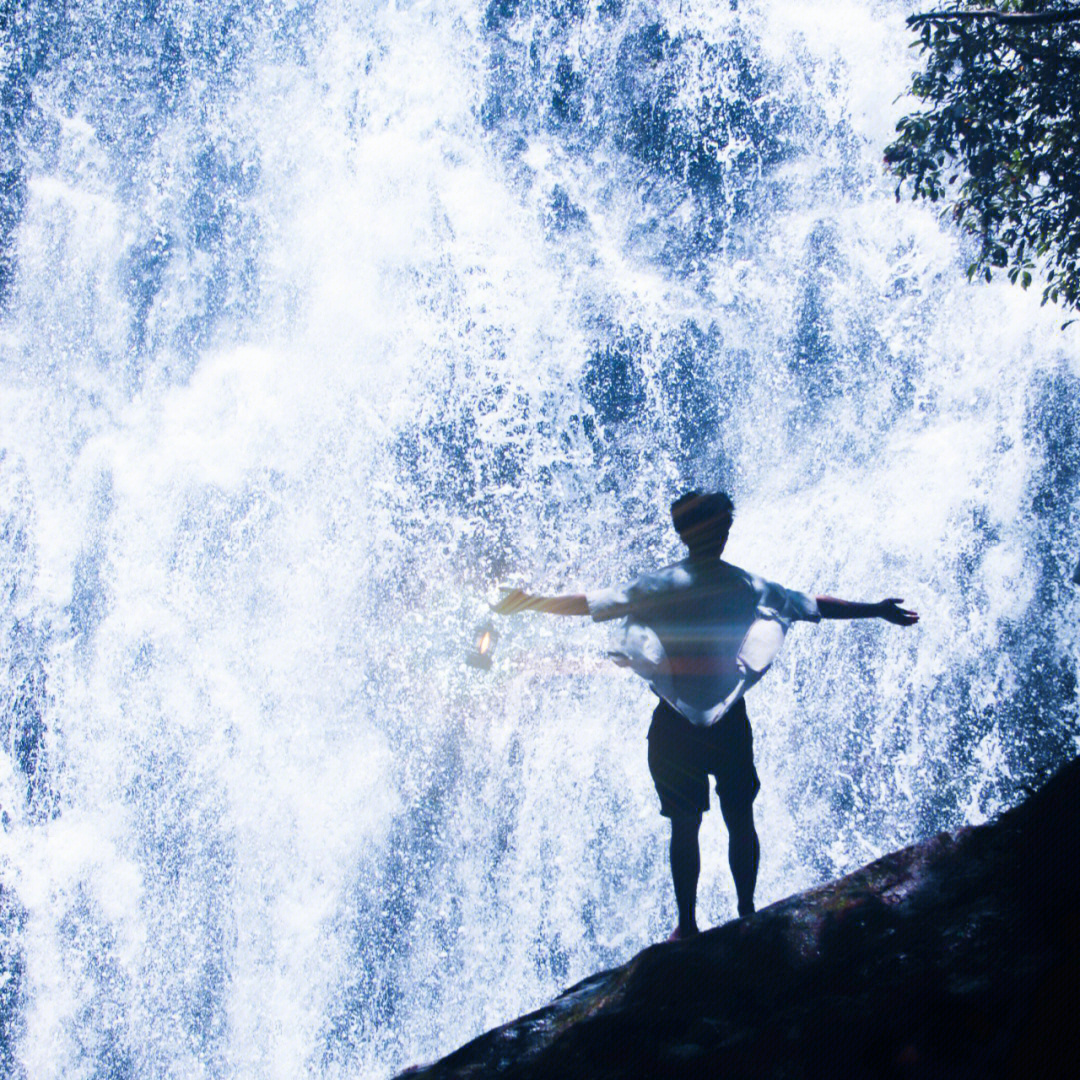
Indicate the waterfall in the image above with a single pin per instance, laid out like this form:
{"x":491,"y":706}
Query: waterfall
{"x":321,"y":320}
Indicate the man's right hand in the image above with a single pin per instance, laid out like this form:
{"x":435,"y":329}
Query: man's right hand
{"x":891,"y":611}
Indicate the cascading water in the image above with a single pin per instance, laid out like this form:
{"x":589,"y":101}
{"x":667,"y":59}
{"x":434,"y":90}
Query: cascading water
{"x":322,"y":319}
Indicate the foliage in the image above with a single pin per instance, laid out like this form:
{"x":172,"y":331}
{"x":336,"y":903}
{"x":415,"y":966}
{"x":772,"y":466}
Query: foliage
{"x":998,"y":138}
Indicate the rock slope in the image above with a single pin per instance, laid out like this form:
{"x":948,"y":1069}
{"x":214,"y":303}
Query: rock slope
{"x":958,"y":957}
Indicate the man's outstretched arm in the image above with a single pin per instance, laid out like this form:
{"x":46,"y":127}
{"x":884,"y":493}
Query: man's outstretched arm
{"x":889,"y":610}
{"x":515,"y":600}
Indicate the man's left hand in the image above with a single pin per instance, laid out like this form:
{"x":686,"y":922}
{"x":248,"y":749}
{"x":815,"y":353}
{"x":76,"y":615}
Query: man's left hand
{"x":512,"y":601}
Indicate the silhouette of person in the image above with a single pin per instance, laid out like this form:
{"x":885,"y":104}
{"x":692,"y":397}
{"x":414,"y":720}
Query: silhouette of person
{"x":702,"y":632}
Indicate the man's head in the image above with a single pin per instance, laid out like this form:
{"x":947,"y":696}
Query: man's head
{"x":703,"y":520}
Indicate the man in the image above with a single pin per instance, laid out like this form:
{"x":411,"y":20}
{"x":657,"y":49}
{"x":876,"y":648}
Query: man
{"x":702,"y":632}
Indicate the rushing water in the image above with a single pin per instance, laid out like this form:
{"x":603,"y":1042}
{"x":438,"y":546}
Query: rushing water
{"x":322,"y":319}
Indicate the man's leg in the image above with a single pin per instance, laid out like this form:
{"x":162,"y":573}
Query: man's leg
{"x":744,"y":853}
{"x":685,"y":868}
{"x":676,"y":764}
{"x":737,"y":786}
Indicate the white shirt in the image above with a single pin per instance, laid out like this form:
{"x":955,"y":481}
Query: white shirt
{"x":701,"y":632}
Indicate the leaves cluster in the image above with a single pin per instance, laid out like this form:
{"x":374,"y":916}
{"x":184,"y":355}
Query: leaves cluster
{"x":999,"y":137}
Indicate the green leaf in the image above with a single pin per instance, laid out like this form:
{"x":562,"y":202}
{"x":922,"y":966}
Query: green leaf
{"x":996,"y":128}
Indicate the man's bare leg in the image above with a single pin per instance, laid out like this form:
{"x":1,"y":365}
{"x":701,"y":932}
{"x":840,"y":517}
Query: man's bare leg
{"x":685,"y":868}
{"x":744,"y":853}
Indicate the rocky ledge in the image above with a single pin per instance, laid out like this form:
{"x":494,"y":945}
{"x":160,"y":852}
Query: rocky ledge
{"x":958,"y":957}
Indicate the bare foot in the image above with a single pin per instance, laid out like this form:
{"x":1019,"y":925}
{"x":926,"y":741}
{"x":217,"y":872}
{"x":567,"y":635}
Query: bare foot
{"x":678,"y":934}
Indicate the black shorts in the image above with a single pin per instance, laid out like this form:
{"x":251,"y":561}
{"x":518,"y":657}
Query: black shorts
{"x":682,"y":756}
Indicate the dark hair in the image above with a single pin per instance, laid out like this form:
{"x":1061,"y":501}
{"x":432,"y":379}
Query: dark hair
{"x":703,"y":517}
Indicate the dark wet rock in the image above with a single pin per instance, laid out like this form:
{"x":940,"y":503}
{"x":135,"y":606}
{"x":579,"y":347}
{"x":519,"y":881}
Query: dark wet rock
{"x":958,"y":957}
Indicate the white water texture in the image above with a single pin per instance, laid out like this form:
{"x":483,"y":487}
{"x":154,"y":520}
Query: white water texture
{"x":322,"y":319}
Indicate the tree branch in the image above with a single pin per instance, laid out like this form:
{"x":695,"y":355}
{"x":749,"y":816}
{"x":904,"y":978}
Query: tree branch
{"x":1062,"y":15}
